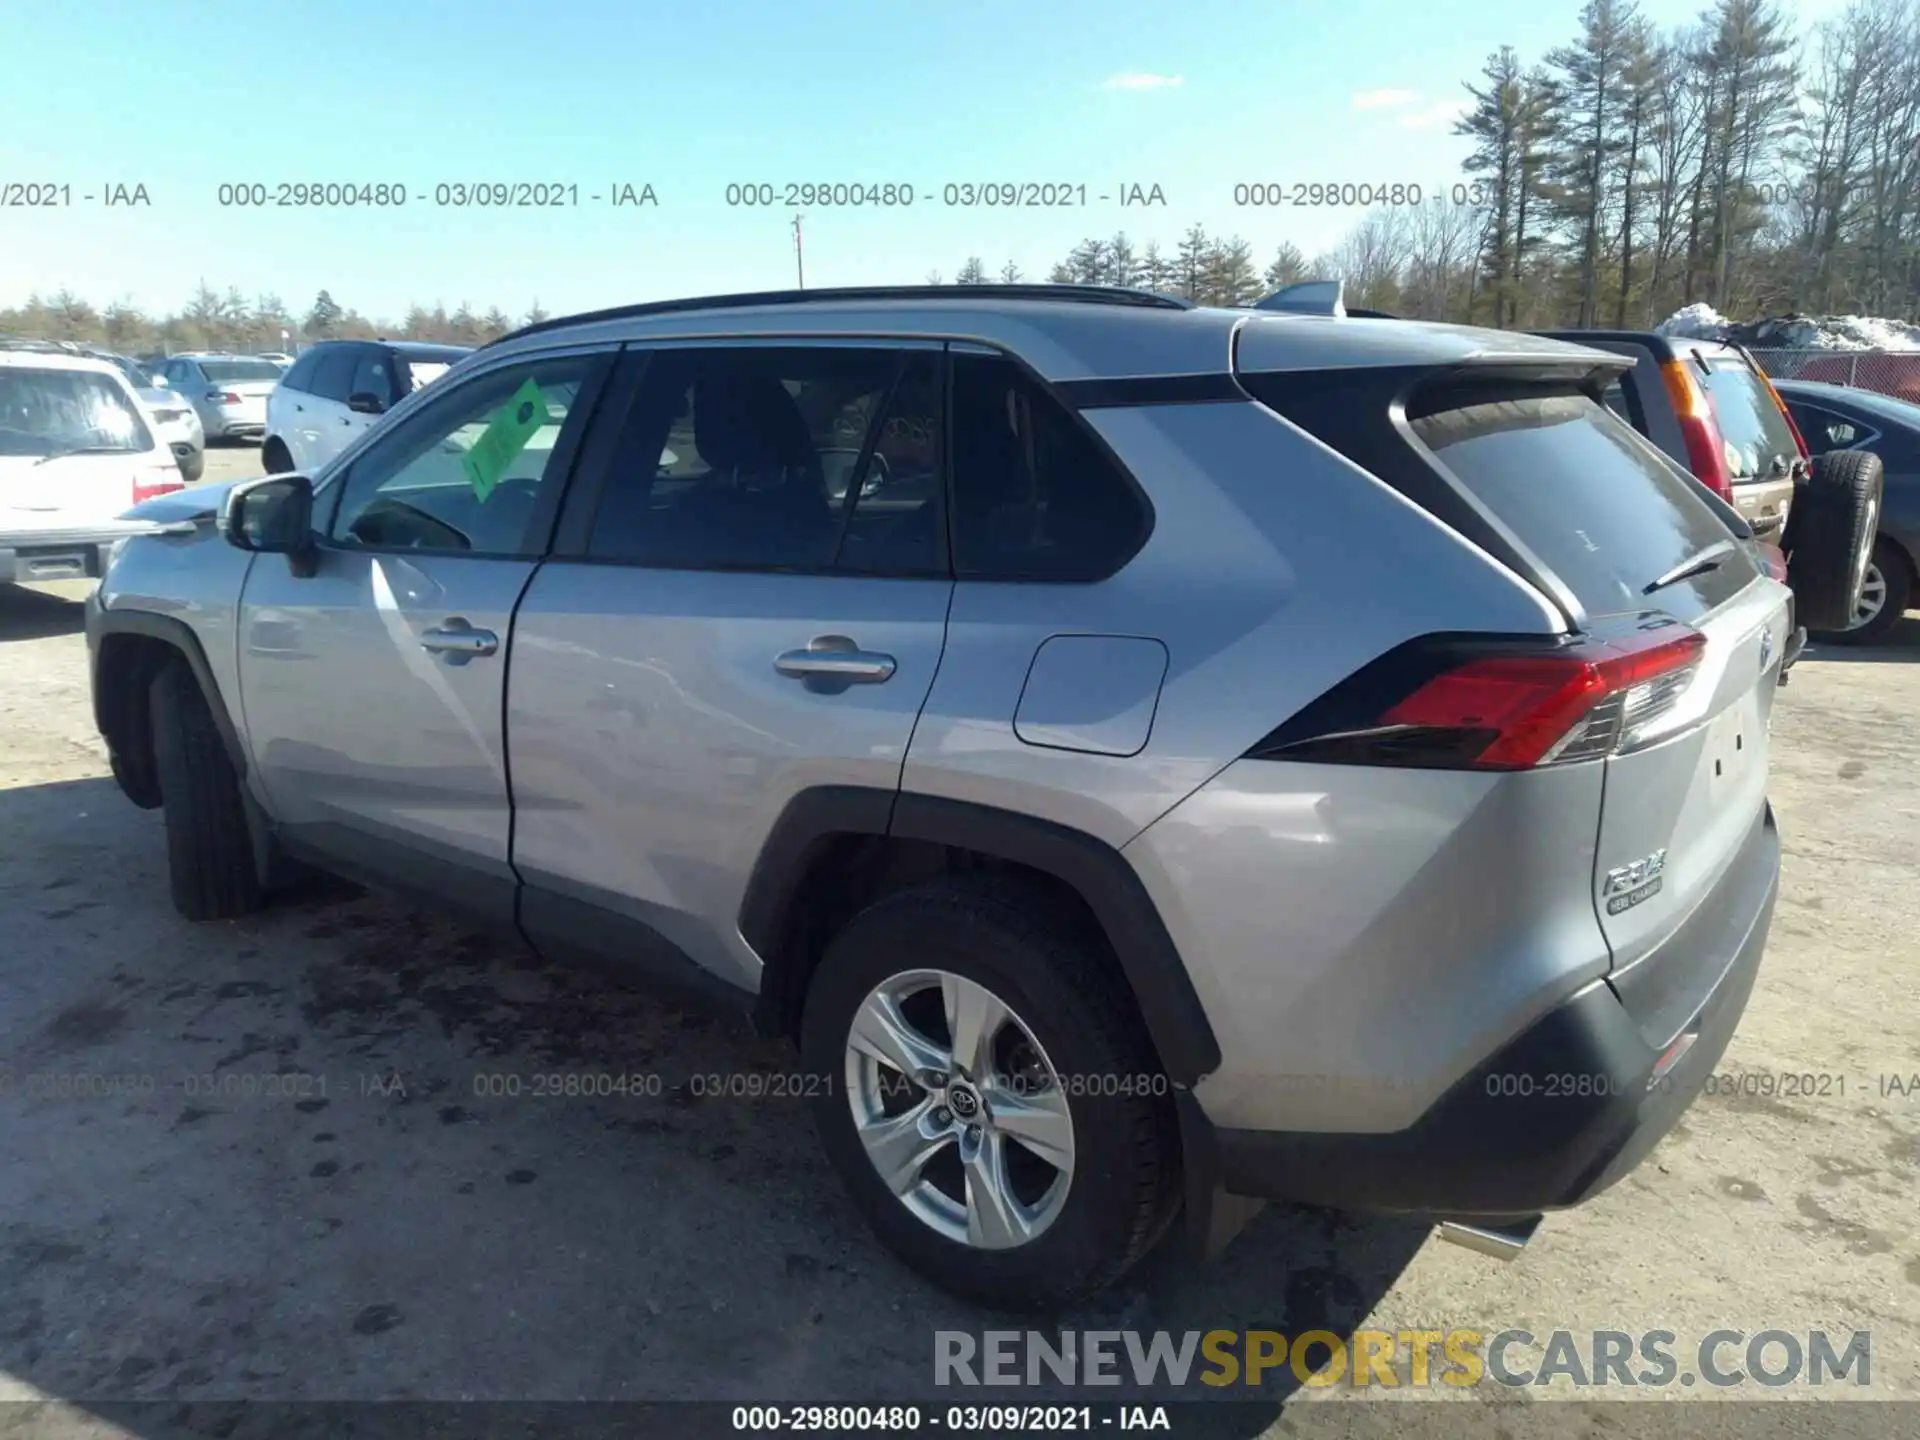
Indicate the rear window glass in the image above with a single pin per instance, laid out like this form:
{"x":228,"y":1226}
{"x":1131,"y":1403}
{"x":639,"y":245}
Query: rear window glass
{"x":1755,"y":431}
{"x":231,"y":371}
{"x":61,"y":412}
{"x":1597,"y":504}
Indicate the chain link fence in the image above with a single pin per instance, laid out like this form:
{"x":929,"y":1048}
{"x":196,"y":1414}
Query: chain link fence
{"x":1890,"y":372}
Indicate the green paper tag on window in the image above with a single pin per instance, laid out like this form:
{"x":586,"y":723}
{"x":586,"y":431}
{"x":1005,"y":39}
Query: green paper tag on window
{"x":500,"y":444}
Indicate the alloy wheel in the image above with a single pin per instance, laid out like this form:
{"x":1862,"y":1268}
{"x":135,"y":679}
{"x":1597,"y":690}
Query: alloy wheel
{"x":961,"y":1113}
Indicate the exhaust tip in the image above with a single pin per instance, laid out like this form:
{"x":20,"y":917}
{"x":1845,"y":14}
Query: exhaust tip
{"x":1502,"y":1241}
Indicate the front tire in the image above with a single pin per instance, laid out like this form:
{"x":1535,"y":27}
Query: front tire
{"x":210,"y":859}
{"x":966,"y":1038}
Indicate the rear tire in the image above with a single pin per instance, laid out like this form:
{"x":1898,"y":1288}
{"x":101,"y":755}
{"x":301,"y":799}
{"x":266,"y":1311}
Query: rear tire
{"x":274,"y":459}
{"x":1890,"y":579}
{"x":1095,"y":1063}
{"x":194,"y":466}
{"x":210,"y":860}
{"x":1830,"y":536}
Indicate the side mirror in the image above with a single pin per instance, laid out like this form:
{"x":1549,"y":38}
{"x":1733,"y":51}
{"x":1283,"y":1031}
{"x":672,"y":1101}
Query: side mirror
{"x":272,"y":516}
{"x":365,"y":402}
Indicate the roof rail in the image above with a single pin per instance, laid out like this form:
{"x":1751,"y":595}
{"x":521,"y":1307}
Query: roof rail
{"x":1083,"y":294}
{"x":1308,"y":297}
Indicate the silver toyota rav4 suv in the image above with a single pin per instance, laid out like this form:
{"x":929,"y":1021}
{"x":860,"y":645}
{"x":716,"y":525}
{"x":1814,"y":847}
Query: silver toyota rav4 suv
{"x":1143,"y":754}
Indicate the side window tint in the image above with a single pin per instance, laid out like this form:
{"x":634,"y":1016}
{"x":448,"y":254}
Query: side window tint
{"x":745,"y":458}
{"x":372,"y":374}
{"x":895,"y":525}
{"x":1034,"y":497}
{"x":333,"y":372}
{"x":467,"y":474}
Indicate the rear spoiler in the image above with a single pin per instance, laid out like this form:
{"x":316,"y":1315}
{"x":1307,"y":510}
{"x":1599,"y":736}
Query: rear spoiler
{"x":1317,"y":297}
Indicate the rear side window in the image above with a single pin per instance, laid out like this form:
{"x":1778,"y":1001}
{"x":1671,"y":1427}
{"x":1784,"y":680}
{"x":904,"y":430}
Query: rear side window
{"x":1034,"y":496}
{"x":1755,"y":432}
{"x":373,"y":375}
{"x":333,"y":372}
{"x":786,"y":459}
{"x":1595,"y":502}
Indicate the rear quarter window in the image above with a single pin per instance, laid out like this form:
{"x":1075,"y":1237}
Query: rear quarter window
{"x":1588,"y":496}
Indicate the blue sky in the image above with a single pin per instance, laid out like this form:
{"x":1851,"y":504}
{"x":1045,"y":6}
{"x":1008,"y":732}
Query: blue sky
{"x":1190,"y":95}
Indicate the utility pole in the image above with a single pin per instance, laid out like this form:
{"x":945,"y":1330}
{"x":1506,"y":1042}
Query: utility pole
{"x":799,"y":253}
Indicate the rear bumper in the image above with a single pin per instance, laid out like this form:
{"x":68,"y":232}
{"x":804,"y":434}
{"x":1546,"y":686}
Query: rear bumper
{"x":1765,"y":505}
{"x":34,"y":559}
{"x":1563,"y":1111}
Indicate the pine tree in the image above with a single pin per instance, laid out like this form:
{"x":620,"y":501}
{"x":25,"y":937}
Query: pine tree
{"x":1010,"y":274}
{"x":1589,"y":90}
{"x":1089,"y":262}
{"x":1122,"y":267}
{"x":323,"y":317}
{"x":1191,"y":265}
{"x":1288,"y":267}
{"x":1156,"y":271}
{"x":974,"y":272}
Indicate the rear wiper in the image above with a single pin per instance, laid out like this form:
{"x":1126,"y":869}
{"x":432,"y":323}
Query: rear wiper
{"x":83,"y":450}
{"x":1696,"y":564}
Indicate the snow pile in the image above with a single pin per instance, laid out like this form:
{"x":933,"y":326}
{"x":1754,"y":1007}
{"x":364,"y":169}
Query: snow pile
{"x":1833,"y":332}
{"x":1793,"y":332}
{"x":1695,"y":322}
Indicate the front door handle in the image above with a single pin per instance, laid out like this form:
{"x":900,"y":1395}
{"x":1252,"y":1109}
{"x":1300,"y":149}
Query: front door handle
{"x":459,"y":641}
{"x":835,"y":660}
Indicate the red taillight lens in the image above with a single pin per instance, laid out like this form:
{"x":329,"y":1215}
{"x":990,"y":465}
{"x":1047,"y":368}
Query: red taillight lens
{"x":146,"y":487}
{"x":1530,"y":710}
{"x":1706,"y":450}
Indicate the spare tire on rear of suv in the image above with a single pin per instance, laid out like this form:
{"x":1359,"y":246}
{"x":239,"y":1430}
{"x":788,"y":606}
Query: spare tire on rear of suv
{"x":1829,"y":537}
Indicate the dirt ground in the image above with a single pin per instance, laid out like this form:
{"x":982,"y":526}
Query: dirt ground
{"x":274,"y":1169}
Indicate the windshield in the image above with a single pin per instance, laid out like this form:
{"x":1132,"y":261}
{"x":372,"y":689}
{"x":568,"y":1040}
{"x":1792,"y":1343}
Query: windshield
{"x":228,"y":371}
{"x":51,"y":412}
{"x":1755,"y":431}
{"x":425,"y":372}
{"x":137,"y":375}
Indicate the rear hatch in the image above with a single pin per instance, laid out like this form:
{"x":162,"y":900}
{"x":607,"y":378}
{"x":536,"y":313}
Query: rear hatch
{"x":248,"y":381}
{"x":1687,"y":770}
{"x":1675,"y":631}
{"x":74,"y":450}
{"x":1763,"y":453}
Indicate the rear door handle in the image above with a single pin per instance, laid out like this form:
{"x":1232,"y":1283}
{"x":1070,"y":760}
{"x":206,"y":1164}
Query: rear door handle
{"x":459,"y":641}
{"x":833,"y":658}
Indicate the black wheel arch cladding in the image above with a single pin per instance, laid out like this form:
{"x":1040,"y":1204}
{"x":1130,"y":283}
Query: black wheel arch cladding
{"x":817,"y":818}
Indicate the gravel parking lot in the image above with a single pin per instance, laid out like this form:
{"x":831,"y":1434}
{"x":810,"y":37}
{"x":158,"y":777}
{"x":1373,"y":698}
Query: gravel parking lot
{"x":180,"y":1220}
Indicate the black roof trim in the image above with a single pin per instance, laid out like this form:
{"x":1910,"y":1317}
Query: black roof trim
{"x":1083,"y":294}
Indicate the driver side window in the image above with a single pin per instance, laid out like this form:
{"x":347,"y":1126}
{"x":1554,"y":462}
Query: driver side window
{"x":470,"y":474}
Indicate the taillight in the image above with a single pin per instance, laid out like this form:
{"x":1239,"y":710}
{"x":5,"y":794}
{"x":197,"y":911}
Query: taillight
{"x":1706,"y":450}
{"x":1472,"y":707}
{"x":1776,"y":560}
{"x":145,"y":487}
